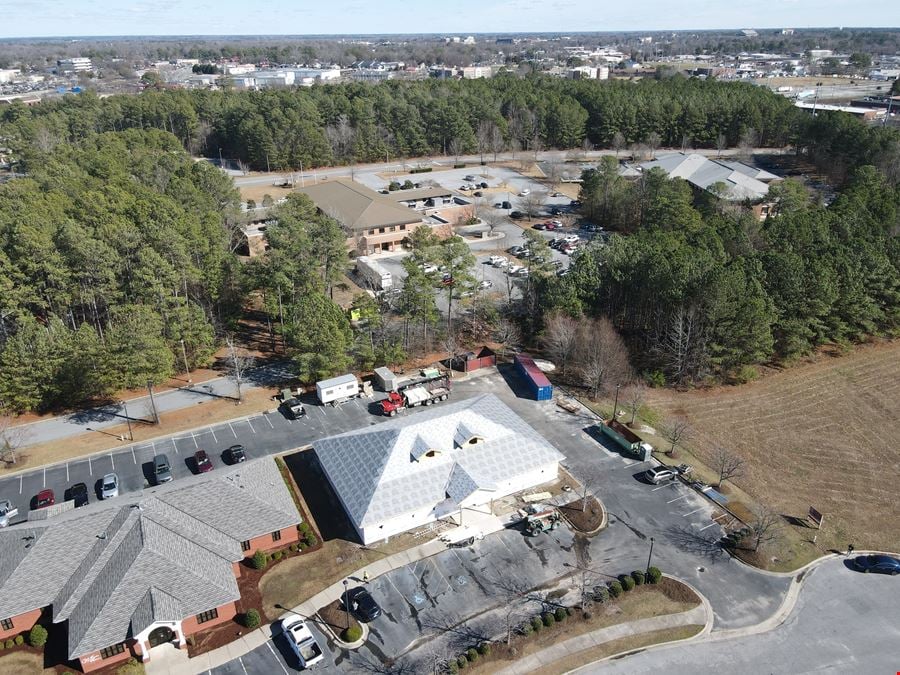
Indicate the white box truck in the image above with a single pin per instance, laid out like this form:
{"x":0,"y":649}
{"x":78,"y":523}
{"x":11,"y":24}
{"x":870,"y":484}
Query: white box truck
{"x":337,"y":389}
{"x":373,"y":273}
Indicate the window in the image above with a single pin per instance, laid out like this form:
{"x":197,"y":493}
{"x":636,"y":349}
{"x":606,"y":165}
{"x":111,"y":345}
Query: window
{"x":109,"y":652}
{"x":403,"y":227}
{"x":380,"y":230}
{"x":208,"y":615}
{"x":245,"y":545}
{"x":276,"y":535}
{"x":6,"y":624}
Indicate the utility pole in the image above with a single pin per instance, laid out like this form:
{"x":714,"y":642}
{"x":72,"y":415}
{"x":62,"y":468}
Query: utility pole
{"x":187,"y":370}
{"x":650,"y":557}
{"x":127,"y":419}
{"x":616,"y":404}
{"x":347,"y":602}
{"x":153,"y":402}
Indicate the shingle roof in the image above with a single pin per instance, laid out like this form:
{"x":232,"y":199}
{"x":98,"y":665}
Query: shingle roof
{"x":740,"y":180}
{"x":381,"y":472}
{"x":115,"y":570}
{"x":356,"y":206}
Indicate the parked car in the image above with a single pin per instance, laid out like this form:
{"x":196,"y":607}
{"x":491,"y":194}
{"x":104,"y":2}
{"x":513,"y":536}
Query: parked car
{"x":515,"y":250}
{"x":487,"y":283}
{"x":877,"y":564}
{"x":235,"y":454}
{"x":302,"y":641}
{"x":494,"y":259}
{"x":525,"y":192}
{"x":7,"y":511}
{"x":428,"y":268}
{"x":202,"y":461}
{"x":505,"y":205}
{"x":478,"y":193}
{"x":571,"y":238}
{"x":363,"y":605}
{"x":162,"y":470}
{"x":109,"y":487}
{"x":524,"y":272}
{"x":658,"y":474}
{"x":557,"y":194}
{"x":502,"y":262}
{"x":469,"y":179}
{"x":44,"y":498}
{"x":78,"y":493}
{"x":539,"y":226}
{"x":563,"y":272}
{"x":513,"y":269}
{"x":517,"y":215}
{"x":556,"y":243}
{"x":483,"y":185}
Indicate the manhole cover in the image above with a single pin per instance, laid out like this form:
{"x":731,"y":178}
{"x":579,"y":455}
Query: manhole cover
{"x":418,"y":599}
{"x":701,"y":569}
{"x":461,"y":581}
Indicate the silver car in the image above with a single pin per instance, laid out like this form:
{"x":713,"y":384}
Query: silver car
{"x":109,"y":488}
{"x":7,"y":511}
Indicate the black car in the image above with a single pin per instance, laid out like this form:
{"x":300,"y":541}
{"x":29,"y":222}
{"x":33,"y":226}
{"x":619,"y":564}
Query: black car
{"x":483,"y":186}
{"x":363,"y":605}
{"x":235,"y":454}
{"x":877,"y":564}
{"x":78,"y":493}
{"x":505,"y":205}
{"x":516,"y":215}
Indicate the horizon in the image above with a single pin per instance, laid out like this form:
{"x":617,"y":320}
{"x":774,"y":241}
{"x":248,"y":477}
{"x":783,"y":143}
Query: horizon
{"x":106,"y":19}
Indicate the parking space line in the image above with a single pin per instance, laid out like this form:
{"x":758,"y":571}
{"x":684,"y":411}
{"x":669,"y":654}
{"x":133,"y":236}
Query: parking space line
{"x":266,"y":418}
{"x":174,"y":444}
{"x":21,"y":478}
{"x":663,"y":487}
{"x":269,"y":645}
{"x":45,"y":476}
{"x":321,"y":411}
{"x":112,"y":461}
{"x":232,"y":430}
{"x":90,"y":468}
{"x":685,"y":515}
{"x":677,"y":499}
{"x":213,"y":432}
{"x":708,"y":526}
{"x":133,"y":456}
{"x":67,"y":472}
{"x":251,"y":426}
{"x":434,"y":565}
{"x":243,"y":667}
{"x":391,"y":582}
{"x":195,"y":440}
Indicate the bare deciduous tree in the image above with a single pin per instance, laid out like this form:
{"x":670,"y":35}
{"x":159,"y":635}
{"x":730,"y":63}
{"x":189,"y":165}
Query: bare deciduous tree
{"x":721,"y":144}
{"x":11,"y":439}
{"x":653,"y":141}
{"x":491,"y":218}
{"x":508,"y":333}
{"x":680,"y":343}
{"x":512,"y":589}
{"x":634,"y":399}
{"x":765,"y":527}
{"x":342,"y":137}
{"x":239,"y":362}
{"x":602,"y":356}
{"x":456,"y":147}
{"x":618,"y":142}
{"x":675,"y":431}
{"x":532,"y":203}
{"x":561,"y":338}
{"x":726,"y":464}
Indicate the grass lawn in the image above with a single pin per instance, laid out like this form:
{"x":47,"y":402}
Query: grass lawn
{"x":668,"y":597}
{"x":23,"y":663}
{"x":626,"y":644}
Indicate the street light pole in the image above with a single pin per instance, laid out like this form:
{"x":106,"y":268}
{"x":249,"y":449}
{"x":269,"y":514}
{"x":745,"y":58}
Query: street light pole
{"x":153,"y":402}
{"x":616,"y":404}
{"x":187,"y":370}
{"x":127,"y":419}
{"x":347,"y":602}
{"x":650,"y":557}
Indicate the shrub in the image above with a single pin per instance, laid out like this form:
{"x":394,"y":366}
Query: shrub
{"x":484,"y":649}
{"x":277,"y":555}
{"x":259,"y":561}
{"x":293,"y":548}
{"x":310,"y":540}
{"x":421,"y":169}
{"x":654,"y":575}
{"x":302,"y":545}
{"x":537,"y":624}
{"x":746,"y":374}
{"x":37,"y":637}
{"x":131,"y":667}
{"x":251,"y":204}
{"x":638,"y":577}
{"x":461,"y":165}
{"x":586,"y":615}
{"x":394,"y":186}
{"x":461,"y":662}
{"x":407,"y":185}
{"x":472,"y":654}
{"x":251,"y":619}
{"x":548,"y":619}
{"x":601,"y":594}
{"x":615,"y":589}
{"x":352,"y":634}
{"x":20,"y":640}
{"x":560,"y":614}
{"x":656,"y":379}
{"x":627,"y":582}
{"x":304,"y":528}
{"x":526,"y":629}
{"x":1,"y":646}
{"x":452,"y":668}
{"x":9,"y":644}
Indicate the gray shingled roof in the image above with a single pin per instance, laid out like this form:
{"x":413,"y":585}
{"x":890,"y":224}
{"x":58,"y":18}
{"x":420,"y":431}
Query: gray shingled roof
{"x":383,"y":471}
{"x":117,"y":568}
{"x":740,"y":180}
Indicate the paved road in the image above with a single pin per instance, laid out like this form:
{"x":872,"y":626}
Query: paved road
{"x":844,"y":622}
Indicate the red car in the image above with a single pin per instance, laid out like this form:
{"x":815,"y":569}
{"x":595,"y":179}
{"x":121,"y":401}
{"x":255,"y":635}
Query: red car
{"x":201,"y":459}
{"x":44,"y":499}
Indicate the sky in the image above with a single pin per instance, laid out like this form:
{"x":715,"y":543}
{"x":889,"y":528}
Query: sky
{"x":45,"y":18}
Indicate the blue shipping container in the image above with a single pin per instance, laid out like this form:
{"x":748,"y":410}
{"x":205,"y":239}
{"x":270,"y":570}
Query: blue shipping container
{"x":537,"y":382}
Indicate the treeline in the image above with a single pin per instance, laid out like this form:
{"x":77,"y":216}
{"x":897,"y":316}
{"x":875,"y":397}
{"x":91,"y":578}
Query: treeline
{"x":113,"y":254}
{"x":347,"y":123}
{"x":701,"y":288}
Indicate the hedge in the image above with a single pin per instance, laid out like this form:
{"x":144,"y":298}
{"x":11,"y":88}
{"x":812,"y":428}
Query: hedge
{"x":452,"y":667}
{"x":259,"y":561}
{"x":461,"y":662}
{"x":526,"y":629}
{"x":9,"y":644}
{"x":615,"y":589}
{"x":655,"y":574}
{"x":537,"y":624}
{"x":627,"y":582}
{"x":19,"y":640}
{"x":549,"y":619}
{"x":601,"y":593}
{"x":560,"y":614}
{"x":421,"y":169}
{"x":251,"y":619}
{"x":638,"y":577}
{"x":351,"y":634}
{"x":37,"y":636}
{"x":484,"y":649}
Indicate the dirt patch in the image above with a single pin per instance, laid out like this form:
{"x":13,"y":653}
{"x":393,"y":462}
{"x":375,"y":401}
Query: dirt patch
{"x":258,"y":192}
{"x":335,"y":616}
{"x":822,"y":433}
{"x":676,"y":591}
{"x":583,"y":518}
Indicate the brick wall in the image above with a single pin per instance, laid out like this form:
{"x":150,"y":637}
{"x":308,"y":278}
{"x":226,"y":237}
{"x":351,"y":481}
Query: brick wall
{"x":189,"y":626}
{"x":93,"y":661}
{"x":289,"y":535}
{"x":21,"y":624}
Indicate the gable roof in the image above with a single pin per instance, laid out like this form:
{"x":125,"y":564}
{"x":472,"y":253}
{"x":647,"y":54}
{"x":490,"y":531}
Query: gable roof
{"x":356,"y":206}
{"x":383,"y":471}
{"x":119,"y":567}
{"x":741,"y":180}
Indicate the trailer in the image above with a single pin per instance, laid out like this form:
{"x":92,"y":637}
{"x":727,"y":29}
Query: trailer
{"x":386,"y":379}
{"x":337,"y":390}
{"x":415,"y":394}
{"x":373,"y":273}
{"x":626,"y":439}
{"x":537,"y":382}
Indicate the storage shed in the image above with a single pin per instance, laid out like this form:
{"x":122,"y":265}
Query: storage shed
{"x":537,"y":382}
{"x":386,"y":379}
{"x":470,"y":361}
{"x":337,"y":389}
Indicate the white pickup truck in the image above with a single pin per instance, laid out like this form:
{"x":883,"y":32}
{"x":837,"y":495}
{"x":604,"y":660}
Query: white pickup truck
{"x":303,"y":642}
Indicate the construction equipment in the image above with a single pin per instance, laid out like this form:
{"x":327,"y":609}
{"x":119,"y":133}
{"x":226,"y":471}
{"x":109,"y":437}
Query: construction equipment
{"x":542,"y":521}
{"x":416,"y":393}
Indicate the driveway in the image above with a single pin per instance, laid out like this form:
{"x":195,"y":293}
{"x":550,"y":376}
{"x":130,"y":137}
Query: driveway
{"x":844,"y":622}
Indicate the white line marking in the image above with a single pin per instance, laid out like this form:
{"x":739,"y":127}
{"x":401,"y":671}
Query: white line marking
{"x":677,"y":499}
{"x":662,"y":487}
{"x":90,"y":468}
{"x":243,"y":667}
{"x":112,"y":461}
{"x":266,"y":418}
{"x":20,"y":484}
{"x":708,"y":526}
{"x":321,"y":411}
{"x":685,"y":515}
{"x":133,"y":456}
{"x":251,"y":427}
{"x":45,"y":476}
{"x":67,"y":472}
{"x":174,"y":445}
{"x":195,"y":440}
{"x":232,"y":429}
{"x":434,"y":565}
{"x":213,"y":432}
{"x":269,"y":645}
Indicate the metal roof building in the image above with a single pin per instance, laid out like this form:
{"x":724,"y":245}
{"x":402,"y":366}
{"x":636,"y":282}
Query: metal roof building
{"x":741,"y":181}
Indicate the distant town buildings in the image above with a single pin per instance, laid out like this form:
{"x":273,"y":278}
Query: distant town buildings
{"x":77,"y":64}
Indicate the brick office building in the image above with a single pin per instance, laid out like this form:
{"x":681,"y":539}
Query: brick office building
{"x":132,"y":574}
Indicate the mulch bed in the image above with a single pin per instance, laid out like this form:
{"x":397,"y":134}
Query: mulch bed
{"x":675,"y":591}
{"x":583,"y":519}
{"x":335,"y":616}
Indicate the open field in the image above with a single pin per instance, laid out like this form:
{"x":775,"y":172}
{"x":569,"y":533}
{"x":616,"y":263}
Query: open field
{"x":822,"y":434}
